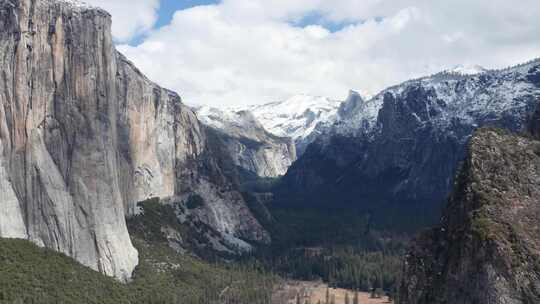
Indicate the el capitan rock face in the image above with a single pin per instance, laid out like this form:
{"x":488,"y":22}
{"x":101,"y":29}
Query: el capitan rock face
{"x":59,"y":132}
{"x":84,"y":136}
{"x":487,"y":249}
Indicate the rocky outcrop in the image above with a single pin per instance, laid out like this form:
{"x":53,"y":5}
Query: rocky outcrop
{"x":58,"y":127}
{"x":84,"y":136}
{"x":253,"y":149}
{"x":487,"y":249}
{"x":401,"y":149}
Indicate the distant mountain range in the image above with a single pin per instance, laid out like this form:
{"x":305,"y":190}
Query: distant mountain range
{"x":265,"y":140}
{"x":253,"y":149}
{"x":301,"y":117}
{"x":401,"y":148}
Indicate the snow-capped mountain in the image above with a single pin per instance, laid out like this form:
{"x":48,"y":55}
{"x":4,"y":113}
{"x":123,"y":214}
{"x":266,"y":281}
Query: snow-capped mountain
{"x":250,"y":146}
{"x":476,"y":99}
{"x":300,"y":117}
{"x":463,"y":69}
{"x":404,"y":145}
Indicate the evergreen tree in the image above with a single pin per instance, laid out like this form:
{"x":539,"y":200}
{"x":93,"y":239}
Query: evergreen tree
{"x":327,"y":296}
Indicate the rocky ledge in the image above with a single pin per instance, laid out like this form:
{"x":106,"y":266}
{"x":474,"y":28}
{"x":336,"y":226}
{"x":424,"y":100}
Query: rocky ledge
{"x":487,"y":249}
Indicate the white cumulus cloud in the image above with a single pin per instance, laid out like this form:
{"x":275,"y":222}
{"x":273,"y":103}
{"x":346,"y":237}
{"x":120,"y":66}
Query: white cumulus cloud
{"x":254,"y":51}
{"x":130,"y":17}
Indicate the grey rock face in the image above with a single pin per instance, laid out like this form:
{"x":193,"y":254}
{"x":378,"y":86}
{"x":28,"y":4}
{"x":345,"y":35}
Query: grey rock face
{"x":58,"y":132}
{"x":84,"y":136}
{"x":404,"y":145}
{"x":251,"y":147}
{"x":487,"y":247}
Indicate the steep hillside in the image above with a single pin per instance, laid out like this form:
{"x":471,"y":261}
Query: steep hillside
{"x":84,"y":136}
{"x":252,"y":148}
{"x":487,"y":249}
{"x":29,"y":274}
{"x":398,"y":152}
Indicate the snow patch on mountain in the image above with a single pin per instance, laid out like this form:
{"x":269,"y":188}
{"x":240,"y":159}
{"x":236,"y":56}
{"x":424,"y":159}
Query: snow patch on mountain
{"x":464,"y":69}
{"x":301,"y":117}
{"x":297,"y":116}
{"x":465,"y":94}
{"x":249,"y":145}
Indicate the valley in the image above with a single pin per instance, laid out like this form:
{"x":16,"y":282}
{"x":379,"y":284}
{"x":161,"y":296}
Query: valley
{"x":316,"y":292}
{"x":114,"y":190}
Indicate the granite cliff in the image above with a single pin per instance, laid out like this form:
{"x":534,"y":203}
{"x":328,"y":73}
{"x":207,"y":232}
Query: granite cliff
{"x":84,"y":136}
{"x":255,"y":151}
{"x":487,"y":247}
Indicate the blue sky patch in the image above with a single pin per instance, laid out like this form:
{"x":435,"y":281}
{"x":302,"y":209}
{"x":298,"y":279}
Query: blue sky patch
{"x":167,"y":9}
{"x":316,"y":18}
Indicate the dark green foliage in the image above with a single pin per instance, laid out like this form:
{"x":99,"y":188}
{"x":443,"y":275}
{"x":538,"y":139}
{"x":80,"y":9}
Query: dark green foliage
{"x":336,"y":246}
{"x":181,"y":278}
{"x":29,"y":274}
{"x":317,"y":227}
{"x":194,"y":201}
{"x":258,"y":209}
{"x":153,"y":217}
{"x":258,"y":184}
{"x":174,"y":278}
{"x":343,"y":267}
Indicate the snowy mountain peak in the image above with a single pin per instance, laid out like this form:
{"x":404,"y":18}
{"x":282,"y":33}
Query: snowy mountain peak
{"x":250,"y":146}
{"x":242,"y":122}
{"x":467,"y":69}
{"x":297,"y":116}
{"x":353,"y":101}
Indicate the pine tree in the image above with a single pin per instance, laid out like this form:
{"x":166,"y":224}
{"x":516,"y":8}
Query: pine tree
{"x":381,"y":281}
{"x":327,"y":296}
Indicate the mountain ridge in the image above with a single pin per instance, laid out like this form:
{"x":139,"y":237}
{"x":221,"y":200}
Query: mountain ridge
{"x":300,"y":117}
{"x":486,"y":247}
{"x":404,"y":144}
{"x":250,"y":145}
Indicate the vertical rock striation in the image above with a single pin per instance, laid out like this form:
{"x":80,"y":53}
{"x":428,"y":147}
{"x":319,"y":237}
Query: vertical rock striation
{"x":58,"y":122}
{"x":487,"y":249}
{"x":84,"y":136}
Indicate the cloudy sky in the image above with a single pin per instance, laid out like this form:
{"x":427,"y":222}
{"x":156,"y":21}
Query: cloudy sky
{"x":237,"y":52}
